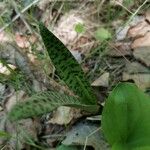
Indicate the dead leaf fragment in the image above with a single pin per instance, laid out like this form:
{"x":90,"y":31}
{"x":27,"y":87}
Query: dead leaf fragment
{"x":143,"y":54}
{"x":64,"y":115}
{"x":103,"y":80}
{"x":139,"y":30}
{"x":79,"y":133}
{"x":135,"y":67}
{"x":43,"y":4}
{"x":142,"y":41}
{"x":5,"y":37}
{"x":120,"y":49}
{"x":77,"y":55}
{"x":24,"y":41}
{"x":121,"y":33}
{"x":147,"y":15}
{"x":5,"y":70}
{"x":116,"y":2}
{"x":17,"y":96}
{"x":141,"y":80}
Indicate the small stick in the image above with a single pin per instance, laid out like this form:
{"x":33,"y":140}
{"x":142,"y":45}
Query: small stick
{"x":21,"y":15}
{"x":18,"y":15}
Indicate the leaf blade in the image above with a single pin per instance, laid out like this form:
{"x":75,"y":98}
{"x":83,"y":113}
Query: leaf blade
{"x":44,"y":102}
{"x":125,"y":118}
{"x":67,"y":67}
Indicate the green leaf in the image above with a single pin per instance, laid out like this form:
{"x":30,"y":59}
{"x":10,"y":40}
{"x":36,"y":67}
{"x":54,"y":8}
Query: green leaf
{"x":46,"y":102}
{"x":102,"y":34}
{"x":126,"y":118}
{"x":67,"y":67}
{"x":4,"y":134}
{"x":79,"y":28}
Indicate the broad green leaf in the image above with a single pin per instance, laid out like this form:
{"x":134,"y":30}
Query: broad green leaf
{"x":67,"y":67}
{"x":45,"y":102}
{"x":79,"y":28}
{"x":102,"y":34}
{"x":126,"y":118}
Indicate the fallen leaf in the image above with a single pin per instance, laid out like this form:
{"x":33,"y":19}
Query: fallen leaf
{"x":120,"y":49}
{"x":64,"y":115}
{"x":135,"y":67}
{"x":77,"y":55}
{"x":103,"y":80}
{"x":5,"y":70}
{"x":79,"y":133}
{"x":142,"y":54}
{"x":142,"y":41}
{"x":141,"y":80}
{"x":65,"y":29}
{"x":24,"y":41}
{"x":139,"y":30}
{"x":43,"y":4}
{"x":14,"y":99}
{"x":5,"y":37}
{"x":121,"y":33}
{"x":147,"y":15}
{"x":116,"y":2}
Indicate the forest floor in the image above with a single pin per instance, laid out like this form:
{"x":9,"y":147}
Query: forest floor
{"x":111,"y":41}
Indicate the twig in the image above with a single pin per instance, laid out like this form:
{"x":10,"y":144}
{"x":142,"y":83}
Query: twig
{"x":124,"y":7}
{"x":89,"y":136}
{"x":136,"y":11}
{"x":21,"y":15}
{"x":18,"y":15}
{"x":57,"y":15}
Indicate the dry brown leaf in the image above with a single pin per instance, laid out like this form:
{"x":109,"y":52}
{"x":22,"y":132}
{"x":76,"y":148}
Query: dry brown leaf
{"x":24,"y":41}
{"x":5,"y":70}
{"x":139,"y":30}
{"x":142,"y":41}
{"x":120,"y":49}
{"x":143,"y":54}
{"x":103,"y":80}
{"x":78,"y":134}
{"x":24,"y":129}
{"x":147,"y":15}
{"x":5,"y":37}
{"x":121,"y":33}
{"x":116,"y":2}
{"x":64,"y":115}
{"x":17,"y":96}
{"x":43,"y":4}
{"x":141,"y":80}
{"x":136,"y":67}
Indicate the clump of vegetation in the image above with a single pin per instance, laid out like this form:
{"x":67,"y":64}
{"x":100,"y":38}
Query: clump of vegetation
{"x":125,"y":118}
{"x":70,"y":72}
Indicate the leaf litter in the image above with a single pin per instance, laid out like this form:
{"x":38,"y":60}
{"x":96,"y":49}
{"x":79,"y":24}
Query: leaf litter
{"x":132,"y":42}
